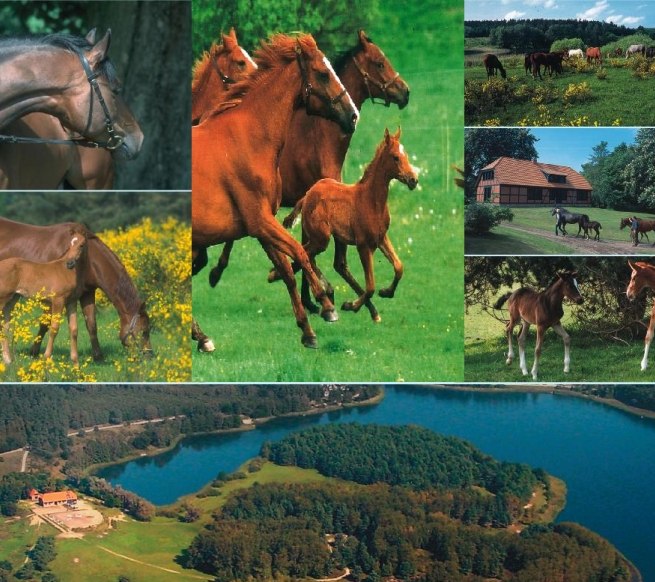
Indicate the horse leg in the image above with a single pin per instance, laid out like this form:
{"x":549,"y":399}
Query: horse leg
{"x":341,"y":267}
{"x":71,"y":312}
{"x":223,"y":261}
{"x":541,"y":330}
{"x":390,"y":253}
{"x":36,"y":346}
{"x":648,"y":340}
{"x":8,"y":305}
{"x":509,"y":330}
{"x":560,"y":331}
{"x":523,"y":337}
{"x":205,"y":344}
{"x":56,"y":309}
{"x":200,"y":260}
{"x":88,"y":304}
{"x":304,"y":284}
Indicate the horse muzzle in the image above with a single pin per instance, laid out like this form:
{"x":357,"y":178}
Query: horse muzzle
{"x":411,"y":182}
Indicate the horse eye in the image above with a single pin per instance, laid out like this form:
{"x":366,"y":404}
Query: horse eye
{"x":397,"y":158}
{"x":241,"y":65}
{"x":380,"y":65}
{"x":323,"y":77}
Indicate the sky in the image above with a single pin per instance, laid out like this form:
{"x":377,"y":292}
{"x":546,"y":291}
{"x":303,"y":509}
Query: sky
{"x":573,"y":146}
{"x":630,"y":13}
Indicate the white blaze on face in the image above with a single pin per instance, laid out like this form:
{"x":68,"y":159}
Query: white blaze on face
{"x":74,"y":241}
{"x":248,"y":58}
{"x":575,"y":284}
{"x":329,"y":67}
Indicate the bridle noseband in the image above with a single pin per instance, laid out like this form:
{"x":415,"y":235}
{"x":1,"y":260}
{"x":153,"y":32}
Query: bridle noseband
{"x":112,"y":143}
{"x":382,"y":86}
{"x":308,"y":90}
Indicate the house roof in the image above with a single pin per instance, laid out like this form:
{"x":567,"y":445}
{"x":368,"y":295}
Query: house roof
{"x":528,"y":173}
{"x":58,"y":496}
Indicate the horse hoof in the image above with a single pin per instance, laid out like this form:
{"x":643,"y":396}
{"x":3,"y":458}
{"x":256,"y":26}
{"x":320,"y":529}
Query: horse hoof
{"x":206,"y":346}
{"x":347,"y":306}
{"x":98,"y":358}
{"x":273,"y":276}
{"x":309,"y":342}
{"x":214,"y":277}
{"x":376,"y":318}
{"x":387,"y":293}
{"x":330,"y":316}
{"x":508,"y":361}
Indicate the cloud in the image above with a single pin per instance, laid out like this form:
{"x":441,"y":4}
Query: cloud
{"x":505,"y":2}
{"x":514,"y":15}
{"x":625,"y":20}
{"x":544,"y":3}
{"x":594,"y":12}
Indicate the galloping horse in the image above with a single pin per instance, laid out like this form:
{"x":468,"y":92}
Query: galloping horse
{"x":105,"y":272}
{"x":66,"y":77}
{"x":492,"y":63}
{"x":643,"y":275}
{"x":236,"y":186}
{"x":643,"y":226}
{"x":565,"y":217}
{"x":60,"y":282}
{"x":355,"y":215}
{"x":593,"y":54}
{"x":214,"y":73}
{"x":544,"y":309}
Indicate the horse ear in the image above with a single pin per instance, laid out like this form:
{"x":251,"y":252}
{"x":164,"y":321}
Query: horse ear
{"x":632,"y":266}
{"x":230,"y":40}
{"x":386,"y":135}
{"x":363,"y":39}
{"x":91,"y":36}
{"x":398,"y":132}
{"x":99,"y":51}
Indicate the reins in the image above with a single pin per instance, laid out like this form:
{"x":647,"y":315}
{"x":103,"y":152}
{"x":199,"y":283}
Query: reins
{"x":113,"y":142}
{"x":382,"y":86}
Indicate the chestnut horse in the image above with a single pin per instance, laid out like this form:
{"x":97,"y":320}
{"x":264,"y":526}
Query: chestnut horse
{"x":643,"y":275}
{"x":593,"y":55}
{"x":105,"y":272}
{"x":366,"y":73}
{"x":67,"y":77}
{"x":643,"y":226}
{"x":544,"y":309}
{"x":235,"y":151}
{"x":355,"y":215}
{"x":213,"y":74}
{"x":59,"y":282}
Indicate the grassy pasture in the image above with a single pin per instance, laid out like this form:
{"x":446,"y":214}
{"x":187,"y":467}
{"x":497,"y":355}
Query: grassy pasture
{"x":612,"y":97}
{"x":420,"y":336}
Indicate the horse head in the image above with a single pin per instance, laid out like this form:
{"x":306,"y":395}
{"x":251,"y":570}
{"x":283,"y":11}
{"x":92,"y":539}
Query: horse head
{"x":137,"y":329}
{"x":402,"y":169}
{"x":323,"y":93}
{"x":77,"y":246}
{"x":637,"y":279}
{"x":230,"y":61}
{"x":570,"y":286}
{"x":380,"y":78}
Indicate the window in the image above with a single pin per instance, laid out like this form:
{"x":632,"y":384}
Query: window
{"x":558,"y":195}
{"x":557,"y":179}
{"x":534,"y":194}
{"x":487,"y":193}
{"x":582,"y":196}
{"x":488,"y":175}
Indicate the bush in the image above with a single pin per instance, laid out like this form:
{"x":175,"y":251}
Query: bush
{"x":567,"y":44}
{"x":577,"y":93}
{"x":481,"y":218}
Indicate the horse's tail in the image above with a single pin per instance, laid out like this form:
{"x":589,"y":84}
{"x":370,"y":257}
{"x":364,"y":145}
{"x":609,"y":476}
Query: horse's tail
{"x":501,"y":300}
{"x":290,"y":220}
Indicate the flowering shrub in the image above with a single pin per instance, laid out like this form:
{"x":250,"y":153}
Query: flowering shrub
{"x":577,"y":93}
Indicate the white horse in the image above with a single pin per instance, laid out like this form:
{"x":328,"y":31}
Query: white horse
{"x":576,"y":53}
{"x":634,"y":49}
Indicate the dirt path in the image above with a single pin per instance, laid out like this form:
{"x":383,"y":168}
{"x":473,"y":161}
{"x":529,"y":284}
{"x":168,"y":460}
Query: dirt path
{"x":346,"y":572}
{"x":169,"y":570}
{"x":23,"y":463}
{"x":580,"y":246}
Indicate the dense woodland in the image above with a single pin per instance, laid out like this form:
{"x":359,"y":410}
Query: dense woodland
{"x":381,"y":530}
{"x":636,"y":395}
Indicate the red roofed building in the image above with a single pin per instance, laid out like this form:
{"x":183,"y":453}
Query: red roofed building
{"x":523,"y":182}
{"x":58,"y":498}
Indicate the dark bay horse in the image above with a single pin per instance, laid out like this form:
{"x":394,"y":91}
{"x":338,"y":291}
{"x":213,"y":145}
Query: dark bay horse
{"x":67,"y":77}
{"x":544,"y":309}
{"x":493,"y":64}
{"x":235,"y":151}
{"x":367,"y":74}
{"x":592,"y":225}
{"x":356,"y":215}
{"x":213,"y":74}
{"x":60,"y":281}
{"x":565,"y":217}
{"x":106,"y":272}
{"x":644,"y":226}
{"x":643,"y":276}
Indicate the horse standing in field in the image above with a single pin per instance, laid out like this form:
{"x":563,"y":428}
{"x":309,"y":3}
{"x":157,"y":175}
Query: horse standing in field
{"x":215,"y":72}
{"x":59,"y":282}
{"x":577,"y":53}
{"x":105,"y":271}
{"x":635,"y":49}
{"x":356,"y":215}
{"x":235,"y":151}
{"x":644,"y":226}
{"x":543,"y":309}
{"x":592,"y":225}
{"x":492,"y":64}
{"x":565,"y":217}
{"x":643,"y":275}
{"x":593,"y":55}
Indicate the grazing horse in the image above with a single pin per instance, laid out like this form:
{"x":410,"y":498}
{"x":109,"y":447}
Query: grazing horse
{"x":635,"y":49}
{"x":552,"y":62}
{"x":592,"y":225}
{"x":643,"y":275}
{"x":643,"y":226}
{"x":356,"y":215}
{"x":67,"y":77}
{"x":213,"y":74}
{"x":650,"y":52}
{"x":577,"y":53}
{"x":527,"y":63}
{"x":565,"y":217}
{"x":105,"y":271}
{"x":59,"y":282}
{"x":544,"y":309}
{"x":235,"y":151}
{"x":593,"y":54}
{"x":492,"y":63}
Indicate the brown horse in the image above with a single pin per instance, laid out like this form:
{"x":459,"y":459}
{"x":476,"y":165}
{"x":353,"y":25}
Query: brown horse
{"x":213,"y":74}
{"x":644,"y":226}
{"x":593,"y":55}
{"x":356,"y":215}
{"x":366,"y":73}
{"x":59,"y":281}
{"x":492,"y":64}
{"x":72,"y":80}
{"x":105,"y":272}
{"x":544,"y":309}
{"x":235,"y":151}
{"x":592,"y":225}
{"x":643,"y":275}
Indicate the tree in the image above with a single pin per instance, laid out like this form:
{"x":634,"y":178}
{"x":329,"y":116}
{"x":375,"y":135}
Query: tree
{"x":43,"y":552}
{"x":640,"y":171}
{"x":483,"y":146}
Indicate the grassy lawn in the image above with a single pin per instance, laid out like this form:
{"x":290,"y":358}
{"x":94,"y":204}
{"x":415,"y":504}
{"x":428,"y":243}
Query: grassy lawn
{"x":505,"y":241}
{"x":420,"y":336}
{"x":17,"y":536}
{"x":615,"y":100}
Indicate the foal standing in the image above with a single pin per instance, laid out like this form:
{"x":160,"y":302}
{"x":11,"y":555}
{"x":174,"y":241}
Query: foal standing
{"x":544,"y":309}
{"x":355,"y":215}
{"x":59,"y":281}
{"x":643,"y":275}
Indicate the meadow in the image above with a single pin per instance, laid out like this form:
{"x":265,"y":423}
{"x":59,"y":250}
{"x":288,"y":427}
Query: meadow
{"x":420,"y":336}
{"x":584,"y":95}
{"x":155,"y":255}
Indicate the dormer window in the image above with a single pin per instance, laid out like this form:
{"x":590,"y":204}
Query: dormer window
{"x":488,"y":175}
{"x":556,"y":178}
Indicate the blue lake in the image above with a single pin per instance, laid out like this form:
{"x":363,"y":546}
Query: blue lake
{"x":604,"y":455}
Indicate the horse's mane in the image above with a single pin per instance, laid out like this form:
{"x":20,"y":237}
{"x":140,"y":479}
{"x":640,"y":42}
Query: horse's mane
{"x":202,"y":69}
{"x":369,"y":168}
{"x":344,"y":57}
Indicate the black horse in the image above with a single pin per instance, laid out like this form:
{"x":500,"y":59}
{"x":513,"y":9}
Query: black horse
{"x":565,"y":217}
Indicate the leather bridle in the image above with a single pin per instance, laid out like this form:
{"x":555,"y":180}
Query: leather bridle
{"x":308,"y":90}
{"x":368,"y":80}
{"x":227,"y":81}
{"x":114,"y":140}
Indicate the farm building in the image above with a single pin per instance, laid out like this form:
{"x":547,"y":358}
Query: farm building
{"x":511,"y":181}
{"x":57,"y":498}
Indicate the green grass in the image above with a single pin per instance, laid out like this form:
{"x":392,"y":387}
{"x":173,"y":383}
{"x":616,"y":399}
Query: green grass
{"x":505,"y":241}
{"x":618,"y":99}
{"x":17,"y":536}
{"x":420,"y":336}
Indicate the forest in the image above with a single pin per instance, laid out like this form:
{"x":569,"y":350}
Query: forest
{"x":425,"y":533}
